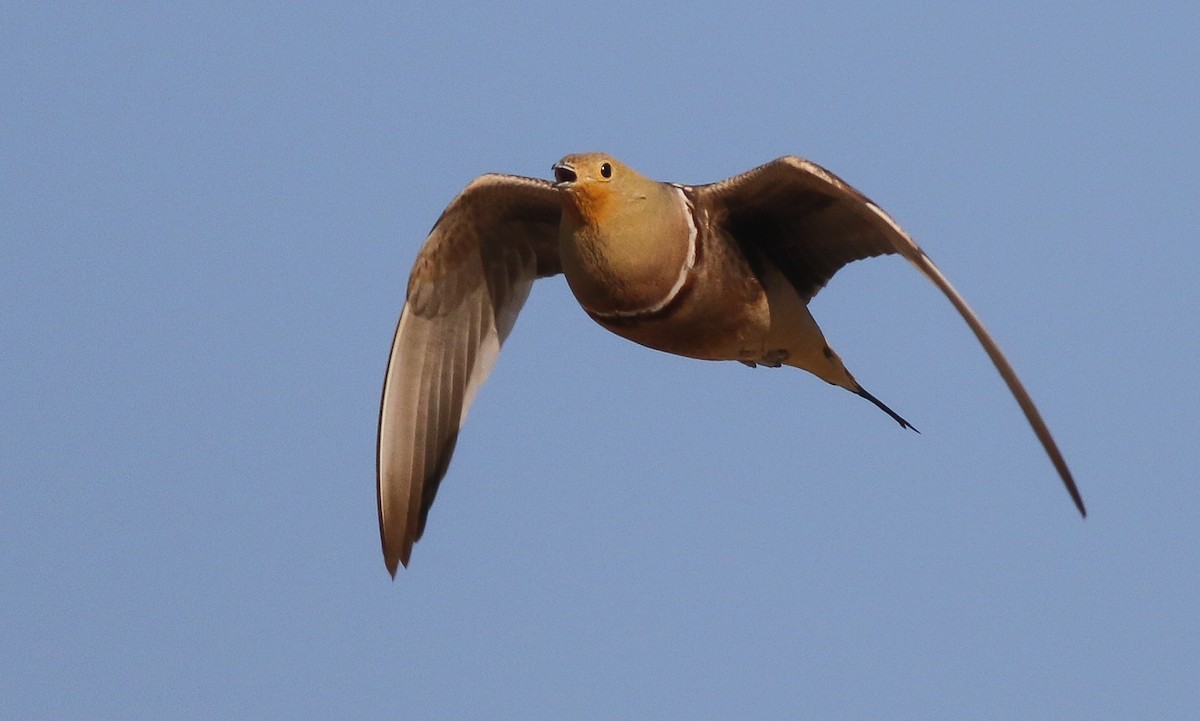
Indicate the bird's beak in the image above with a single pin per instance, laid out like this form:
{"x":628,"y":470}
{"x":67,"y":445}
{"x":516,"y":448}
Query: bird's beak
{"x":564,"y":175}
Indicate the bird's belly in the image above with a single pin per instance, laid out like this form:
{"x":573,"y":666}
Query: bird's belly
{"x":709,"y":323}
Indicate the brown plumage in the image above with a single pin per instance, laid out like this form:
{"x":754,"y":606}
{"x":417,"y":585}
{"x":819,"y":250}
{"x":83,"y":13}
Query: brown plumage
{"x":717,"y":272}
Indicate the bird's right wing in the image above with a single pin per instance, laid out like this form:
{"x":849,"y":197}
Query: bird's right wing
{"x":467,"y":286}
{"x":811,"y":223}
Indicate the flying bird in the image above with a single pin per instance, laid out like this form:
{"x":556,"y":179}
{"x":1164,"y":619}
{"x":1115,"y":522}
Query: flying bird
{"x":723,"y":271}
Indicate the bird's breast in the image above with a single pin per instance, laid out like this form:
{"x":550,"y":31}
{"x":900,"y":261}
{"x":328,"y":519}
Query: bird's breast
{"x":623,"y":271}
{"x":703,"y":302}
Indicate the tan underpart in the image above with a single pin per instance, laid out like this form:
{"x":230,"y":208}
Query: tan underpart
{"x":731,"y":314}
{"x":794,"y":331}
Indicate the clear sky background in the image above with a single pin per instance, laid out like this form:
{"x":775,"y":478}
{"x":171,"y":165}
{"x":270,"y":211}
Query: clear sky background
{"x":207,"y":220}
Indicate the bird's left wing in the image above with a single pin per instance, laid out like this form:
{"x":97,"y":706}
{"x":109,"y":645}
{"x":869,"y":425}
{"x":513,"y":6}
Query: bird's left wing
{"x":468,"y":284}
{"x":810,"y":223}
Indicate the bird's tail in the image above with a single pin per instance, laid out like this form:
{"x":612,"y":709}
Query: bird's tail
{"x":883,"y":407}
{"x":831,"y":369}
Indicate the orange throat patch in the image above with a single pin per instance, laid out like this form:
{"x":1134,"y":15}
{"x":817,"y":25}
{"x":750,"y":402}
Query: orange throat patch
{"x":590,"y":203}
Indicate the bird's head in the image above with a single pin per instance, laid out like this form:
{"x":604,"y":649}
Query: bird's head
{"x":595,"y":184}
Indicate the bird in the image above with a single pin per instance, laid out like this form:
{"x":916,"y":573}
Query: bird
{"x":723,"y":272}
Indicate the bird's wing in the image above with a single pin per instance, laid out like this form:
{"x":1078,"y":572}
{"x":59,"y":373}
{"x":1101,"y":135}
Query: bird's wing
{"x":810,"y":223}
{"x":468,"y":284}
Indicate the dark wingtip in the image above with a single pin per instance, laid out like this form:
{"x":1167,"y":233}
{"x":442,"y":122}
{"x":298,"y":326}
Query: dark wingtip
{"x":1063,"y":472}
{"x":1077,"y":498}
{"x":393,"y":561}
{"x":880,"y":404}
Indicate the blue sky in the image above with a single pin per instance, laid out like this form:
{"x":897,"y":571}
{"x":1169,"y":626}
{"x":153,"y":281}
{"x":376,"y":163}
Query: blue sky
{"x":207,"y":220}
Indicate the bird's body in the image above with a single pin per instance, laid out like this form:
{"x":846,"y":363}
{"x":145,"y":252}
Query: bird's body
{"x":687,"y":286}
{"x":715,"y":272}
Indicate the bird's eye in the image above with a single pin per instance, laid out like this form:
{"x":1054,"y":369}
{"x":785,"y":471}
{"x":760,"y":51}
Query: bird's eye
{"x":605,"y":170}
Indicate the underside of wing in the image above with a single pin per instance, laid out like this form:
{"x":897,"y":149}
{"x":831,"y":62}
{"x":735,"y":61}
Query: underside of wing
{"x":802,"y":218}
{"x":810,"y":223}
{"x":468,"y":284}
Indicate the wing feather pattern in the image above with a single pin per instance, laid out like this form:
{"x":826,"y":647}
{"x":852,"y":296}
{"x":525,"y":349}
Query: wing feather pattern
{"x":468,"y":284}
{"x":810,"y":223}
